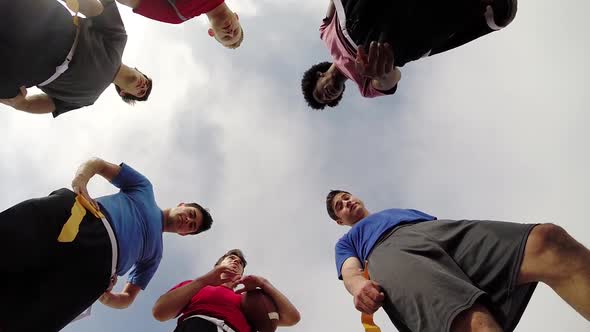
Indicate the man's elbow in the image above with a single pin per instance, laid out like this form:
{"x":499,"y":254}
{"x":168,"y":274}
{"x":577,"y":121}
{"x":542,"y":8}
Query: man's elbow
{"x":159,"y":314}
{"x":292,"y":319}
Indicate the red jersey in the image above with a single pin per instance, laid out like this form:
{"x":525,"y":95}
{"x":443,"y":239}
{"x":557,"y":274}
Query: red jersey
{"x":175,"y":11}
{"x":219,"y":302}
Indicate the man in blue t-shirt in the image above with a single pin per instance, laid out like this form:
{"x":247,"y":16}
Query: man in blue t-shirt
{"x":63,"y":252}
{"x":445,"y":275}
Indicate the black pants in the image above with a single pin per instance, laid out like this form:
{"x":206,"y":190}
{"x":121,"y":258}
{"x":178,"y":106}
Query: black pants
{"x":415,"y":27}
{"x":46,"y":282}
{"x":35,"y":37}
{"x":196,"y":324}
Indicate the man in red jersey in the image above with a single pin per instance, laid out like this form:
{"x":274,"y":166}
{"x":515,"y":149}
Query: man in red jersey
{"x":225,"y":24}
{"x":209,"y":303}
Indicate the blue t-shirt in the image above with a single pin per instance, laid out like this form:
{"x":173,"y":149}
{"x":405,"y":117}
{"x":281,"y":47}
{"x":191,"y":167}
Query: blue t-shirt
{"x":361,"y":238}
{"x":137,"y":222}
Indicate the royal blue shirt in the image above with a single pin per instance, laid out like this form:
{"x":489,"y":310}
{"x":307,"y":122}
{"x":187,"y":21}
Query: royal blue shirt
{"x":361,"y":238}
{"x":138,"y":224}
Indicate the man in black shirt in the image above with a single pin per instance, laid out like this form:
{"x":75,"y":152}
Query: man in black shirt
{"x":72,"y":60}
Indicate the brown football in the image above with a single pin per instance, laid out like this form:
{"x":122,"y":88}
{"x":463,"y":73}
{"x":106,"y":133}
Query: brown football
{"x":260,"y":311}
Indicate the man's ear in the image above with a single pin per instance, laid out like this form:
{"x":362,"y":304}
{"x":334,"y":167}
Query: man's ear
{"x":339,"y":222}
{"x":211,"y":32}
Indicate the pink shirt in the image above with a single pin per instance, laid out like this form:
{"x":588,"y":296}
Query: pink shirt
{"x":344,"y":56}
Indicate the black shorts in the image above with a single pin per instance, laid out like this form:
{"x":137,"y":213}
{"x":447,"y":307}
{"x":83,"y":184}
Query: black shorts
{"x":35,"y":37}
{"x":415,"y":28}
{"x":46,"y":278}
{"x":195,"y":324}
{"x":432,"y":271}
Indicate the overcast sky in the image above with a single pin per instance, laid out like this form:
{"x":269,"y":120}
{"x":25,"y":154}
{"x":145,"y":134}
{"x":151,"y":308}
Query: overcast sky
{"x":494,"y":130}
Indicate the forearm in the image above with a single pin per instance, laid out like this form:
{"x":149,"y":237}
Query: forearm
{"x":88,"y":169}
{"x":89,"y":8}
{"x":388,"y":81}
{"x":352,"y":279}
{"x":288,"y":314}
{"x":117,"y":301}
{"x":36,"y":104}
{"x":170,"y":304}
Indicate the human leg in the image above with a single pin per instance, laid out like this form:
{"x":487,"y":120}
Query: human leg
{"x":475,"y":319}
{"x":555,"y":258}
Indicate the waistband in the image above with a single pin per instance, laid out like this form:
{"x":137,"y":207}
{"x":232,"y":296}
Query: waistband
{"x":221,"y":325}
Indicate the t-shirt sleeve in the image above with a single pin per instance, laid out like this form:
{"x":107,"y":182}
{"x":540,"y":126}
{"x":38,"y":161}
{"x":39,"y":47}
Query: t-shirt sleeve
{"x":344,"y":250}
{"x":159,"y":10}
{"x":368,"y":91}
{"x":186,"y":282}
{"x":129,"y":179}
{"x":110,"y":19}
{"x":62,"y":107}
{"x":142,"y":272}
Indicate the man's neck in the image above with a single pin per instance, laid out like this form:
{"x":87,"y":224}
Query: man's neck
{"x":165,"y":220}
{"x":123,"y":76}
{"x":218,"y":13}
{"x":338,"y":75}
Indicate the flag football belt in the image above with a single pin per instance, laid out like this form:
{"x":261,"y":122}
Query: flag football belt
{"x":367,"y":319}
{"x":221,"y":325}
{"x":74,"y":6}
{"x":70,"y":230}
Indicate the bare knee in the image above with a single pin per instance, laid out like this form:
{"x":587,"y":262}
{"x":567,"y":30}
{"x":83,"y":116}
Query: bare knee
{"x":547,"y":250}
{"x":475,"y":319}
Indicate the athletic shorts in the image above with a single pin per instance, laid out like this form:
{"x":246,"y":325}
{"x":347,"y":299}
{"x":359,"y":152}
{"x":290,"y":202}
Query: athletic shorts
{"x":35,"y":37}
{"x":432,"y":271}
{"x":415,"y":28}
{"x":195,"y":324}
{"x":49,"y":276}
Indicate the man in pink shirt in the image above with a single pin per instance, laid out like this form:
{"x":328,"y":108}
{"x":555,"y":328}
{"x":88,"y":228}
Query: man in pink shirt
{"x":225,"y":24}
{"x":369,"y":40}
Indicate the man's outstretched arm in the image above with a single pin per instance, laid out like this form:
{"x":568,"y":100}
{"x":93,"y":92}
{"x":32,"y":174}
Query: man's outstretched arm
{"x":120,"y":300}
{"x":367,"y":294}
{"x":89,"y":8}
{"x":36,"y":104}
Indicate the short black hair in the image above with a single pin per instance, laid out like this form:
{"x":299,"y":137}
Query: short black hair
{"x":207,"y":219}
{"x":236,"y":252}
{"x":329,"y":199}
{"x":309,"y":81}
{"x":131,"y":99}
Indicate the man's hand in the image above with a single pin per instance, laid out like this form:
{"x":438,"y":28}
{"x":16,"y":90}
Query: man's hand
{"x":368,"y":296}
{"x":79,"y":184}
{"x":378,"y":63}
{"x":112,"y":283}
{"x":221,"y":275}
{"x":250,"y":283}
{"x":17,"y":102}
